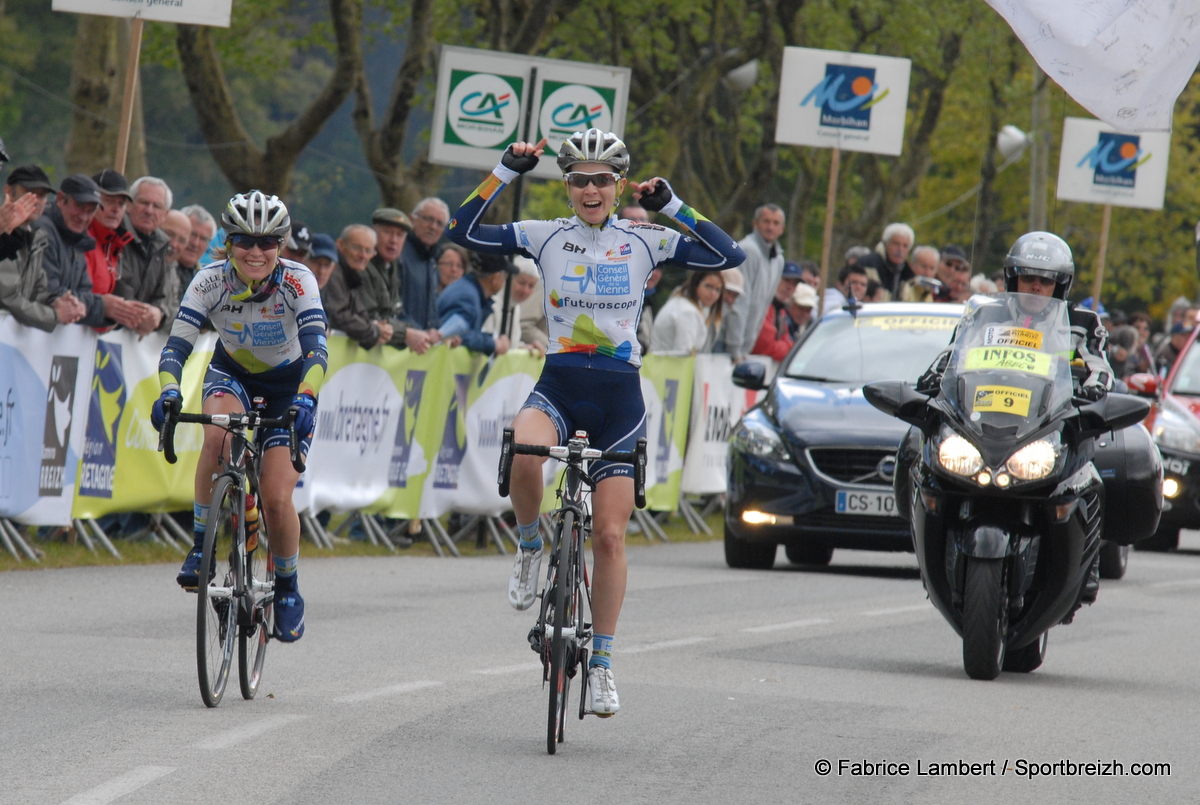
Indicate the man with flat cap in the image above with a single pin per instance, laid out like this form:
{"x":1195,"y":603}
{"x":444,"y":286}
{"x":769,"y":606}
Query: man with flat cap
{"x":64,"y":230}
{"x":381,"y":293}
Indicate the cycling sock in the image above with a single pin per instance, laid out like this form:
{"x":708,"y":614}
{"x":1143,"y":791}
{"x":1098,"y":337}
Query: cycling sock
{"x":531,"y":539}
{"x":199,"y":522}
{"x":601,"y":650}
{"x":285,"y":572}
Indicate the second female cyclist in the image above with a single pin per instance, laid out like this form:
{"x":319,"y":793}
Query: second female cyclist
{"x":594,"y":270}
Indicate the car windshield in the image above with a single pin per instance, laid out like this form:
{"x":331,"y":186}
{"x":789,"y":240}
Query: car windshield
{"x":897,"y":346}
{"x":1187,"y":377}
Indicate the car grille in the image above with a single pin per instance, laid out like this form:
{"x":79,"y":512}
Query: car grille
{"x":828,"y":519}
{"x":852,"y":465}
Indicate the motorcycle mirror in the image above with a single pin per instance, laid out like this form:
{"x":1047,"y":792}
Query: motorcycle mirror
{"x":1143,"y":384}
{"x":750,"y":375}
{"x":899,"y":399}
{"x":1112,"y":412}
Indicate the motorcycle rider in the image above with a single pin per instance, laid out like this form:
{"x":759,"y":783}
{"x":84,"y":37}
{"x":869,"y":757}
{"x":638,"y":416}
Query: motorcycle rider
{"x":1041,"y":264}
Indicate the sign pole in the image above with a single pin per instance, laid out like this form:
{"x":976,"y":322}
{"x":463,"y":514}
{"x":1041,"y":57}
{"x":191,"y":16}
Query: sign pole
{"x":1101,"y":255}
{"x":518,"y":193}
{"x":835,"y":162}
{"x":131,"y":75}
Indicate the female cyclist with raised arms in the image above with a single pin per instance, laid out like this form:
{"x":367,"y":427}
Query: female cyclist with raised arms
{"x":271,"y":326}
{"x":594,"y":270}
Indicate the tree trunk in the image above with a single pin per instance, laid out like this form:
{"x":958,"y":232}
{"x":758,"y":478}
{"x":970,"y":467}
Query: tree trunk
{"x":136,"y":163}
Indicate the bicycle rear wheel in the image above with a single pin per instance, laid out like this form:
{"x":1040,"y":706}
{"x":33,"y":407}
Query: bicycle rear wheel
{"x":216,"y":614}
{"x":255,"y":630}
{"x":560,"y":644}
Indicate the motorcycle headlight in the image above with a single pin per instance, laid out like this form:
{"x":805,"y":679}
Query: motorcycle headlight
{"x":1174,"y":432}
{"x":759,"y":439}
{"x":1033,"y":461}
{"x":959,"y":456}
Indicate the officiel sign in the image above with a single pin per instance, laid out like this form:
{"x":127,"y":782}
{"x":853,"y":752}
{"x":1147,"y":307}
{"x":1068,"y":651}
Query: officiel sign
{"x":483,"y":96}
{"x":1101,"y":165}
{"x":851,"y":101}
{"x":188,"y":12}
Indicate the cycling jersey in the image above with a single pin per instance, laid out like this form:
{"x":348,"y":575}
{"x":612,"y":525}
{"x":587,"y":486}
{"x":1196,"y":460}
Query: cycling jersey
{"x":264,"y":333}
{"x":594,"y":276}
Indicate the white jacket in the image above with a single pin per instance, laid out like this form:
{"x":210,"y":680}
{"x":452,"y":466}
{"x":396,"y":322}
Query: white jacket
{"x":680,"y":328}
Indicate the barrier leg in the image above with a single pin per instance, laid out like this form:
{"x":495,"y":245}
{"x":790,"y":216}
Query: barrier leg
{"x":490,"y":524}
{"x":508,"y":532}
{"x":102,"y":538}
{"x":176,"y":530}
{"x":714,"y":505}
{"x":437,"y":532}
{"x":81,"y":532}
{"x":371,"y":524}
{"x":649,"y":527}
{"x":166,"y":536}
{"x":8,"y":543}
{"x":693,"y":518}
{"x":462,"y":533}
{"x":21,"y":543}
{"x":399,"y":534}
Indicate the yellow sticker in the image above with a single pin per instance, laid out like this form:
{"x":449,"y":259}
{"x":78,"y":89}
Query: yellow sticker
{"x":1006,"y":399}
{"x":909,"y":322}
{"x":1022,"y":360}
{"x":1006,"y":336}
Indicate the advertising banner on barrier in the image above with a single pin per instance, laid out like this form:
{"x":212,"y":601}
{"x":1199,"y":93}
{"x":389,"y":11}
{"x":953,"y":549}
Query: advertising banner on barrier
{"x":488,"y":393}
{"x":667,"y":392}
{"x":122,"y":470}
{"x":44,"y":378}
{"x":379,"y":420}
{"x":717,"y":405}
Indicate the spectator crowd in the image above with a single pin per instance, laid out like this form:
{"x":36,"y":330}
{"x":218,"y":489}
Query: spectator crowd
{"x":103,"y":252}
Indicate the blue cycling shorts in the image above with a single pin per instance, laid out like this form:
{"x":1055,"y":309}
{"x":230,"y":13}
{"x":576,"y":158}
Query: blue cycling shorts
{"x":599,"y":395}
{"x":277,"y":387}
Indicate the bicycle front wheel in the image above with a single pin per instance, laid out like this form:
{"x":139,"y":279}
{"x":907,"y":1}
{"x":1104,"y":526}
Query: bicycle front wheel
{"x":561,"y":641}
{"x":216,"y":610}
{"x":256,"y":622}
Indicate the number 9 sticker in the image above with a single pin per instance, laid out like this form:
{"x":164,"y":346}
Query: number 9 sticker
{"x":1005,"y":399}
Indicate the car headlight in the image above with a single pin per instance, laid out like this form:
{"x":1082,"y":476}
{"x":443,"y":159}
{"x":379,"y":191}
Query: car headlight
{"x":759,"y":439}
{"x":1033,"y":461}
{"x":959,"y":456}
{"x":1174,"y":432}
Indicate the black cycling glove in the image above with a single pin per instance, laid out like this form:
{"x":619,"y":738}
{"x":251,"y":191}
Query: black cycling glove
{"x":519,"y":163}
{"x":659,"y":198}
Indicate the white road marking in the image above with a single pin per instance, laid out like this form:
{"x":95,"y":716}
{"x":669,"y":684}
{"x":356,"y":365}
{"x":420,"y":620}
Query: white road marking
{"x":507,"y":669}
{"x":777,"y":627}
{"x":876,"y":613}
{"x":1176,"y":583}
{"x":118,"y":787}
{"x":683,"y":641}
{"x":391,"y":690}
{"x":254,"y":729}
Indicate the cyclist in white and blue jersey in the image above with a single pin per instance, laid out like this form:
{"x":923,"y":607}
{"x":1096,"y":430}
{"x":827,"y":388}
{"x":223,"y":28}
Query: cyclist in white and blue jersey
{"x":268,"y":314}
{"x":594,"y":270}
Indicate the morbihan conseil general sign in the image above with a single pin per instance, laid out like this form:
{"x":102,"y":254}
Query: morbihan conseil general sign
{"x":188,"y":12}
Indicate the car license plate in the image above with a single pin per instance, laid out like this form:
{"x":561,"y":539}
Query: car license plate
{"x":879,"y":504}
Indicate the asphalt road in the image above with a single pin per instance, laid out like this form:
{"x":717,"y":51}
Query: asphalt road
{"x":414,"y":684}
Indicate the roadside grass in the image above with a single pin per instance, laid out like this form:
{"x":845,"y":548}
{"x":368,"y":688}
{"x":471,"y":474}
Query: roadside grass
{"x":59,"y":553}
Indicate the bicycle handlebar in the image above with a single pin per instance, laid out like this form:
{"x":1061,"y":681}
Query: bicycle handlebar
{"x":230,"y":421}
{"x":636,"y":457}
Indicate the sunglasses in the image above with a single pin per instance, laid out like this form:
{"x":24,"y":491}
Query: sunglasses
{"x":247,"y":242}
{"x":582,"y":180}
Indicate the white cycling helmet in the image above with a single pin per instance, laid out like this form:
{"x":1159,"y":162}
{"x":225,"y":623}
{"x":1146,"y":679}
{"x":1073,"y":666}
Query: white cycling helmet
{"x":256,"y":213}
{"x":594,"y":145}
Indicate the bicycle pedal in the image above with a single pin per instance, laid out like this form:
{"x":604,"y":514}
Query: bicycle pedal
{"x":535,"y":640}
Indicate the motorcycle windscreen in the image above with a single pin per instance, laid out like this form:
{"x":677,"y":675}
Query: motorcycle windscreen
{"x":1009,"y":369}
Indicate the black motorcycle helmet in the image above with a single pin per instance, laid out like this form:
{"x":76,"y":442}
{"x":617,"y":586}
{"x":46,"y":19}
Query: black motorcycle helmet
{"x":1040,"y":254}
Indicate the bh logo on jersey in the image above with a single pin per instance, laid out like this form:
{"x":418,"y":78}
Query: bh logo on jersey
{"x":577,"y":277}
{"x":845,"y":96}
{"x":1115,"y":159}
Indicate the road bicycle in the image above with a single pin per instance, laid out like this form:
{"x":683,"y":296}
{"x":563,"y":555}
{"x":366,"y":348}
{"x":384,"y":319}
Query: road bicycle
{"x":235,"y":601}
{"x":563,"y":632}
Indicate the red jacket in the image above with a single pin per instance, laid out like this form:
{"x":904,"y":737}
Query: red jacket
{"x":774,"y":339}
{"x":102,"y":260}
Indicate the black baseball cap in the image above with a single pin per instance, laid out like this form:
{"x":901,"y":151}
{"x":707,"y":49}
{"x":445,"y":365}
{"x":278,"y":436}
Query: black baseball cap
{"x":953,"y":252}
{"x":3,"y":153}
{"x":112,"y":183}
{"x":30,"y":177}
{"x":301,"y":239}
{"x":80,"y":187}
{"x":495,"y":263}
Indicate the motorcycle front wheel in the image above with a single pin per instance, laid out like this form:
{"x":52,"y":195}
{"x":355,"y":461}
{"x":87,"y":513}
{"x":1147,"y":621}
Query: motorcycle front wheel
{"x":985,"y":618}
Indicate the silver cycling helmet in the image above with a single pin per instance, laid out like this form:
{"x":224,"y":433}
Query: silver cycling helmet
{"x":1040,"y":254}
{"x":594,"y":145}
{"x":256,"y":213}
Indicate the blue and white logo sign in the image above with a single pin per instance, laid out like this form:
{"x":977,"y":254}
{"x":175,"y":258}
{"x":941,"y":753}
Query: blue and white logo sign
{"x":852,"y":101}
{"x":1104,"y":166}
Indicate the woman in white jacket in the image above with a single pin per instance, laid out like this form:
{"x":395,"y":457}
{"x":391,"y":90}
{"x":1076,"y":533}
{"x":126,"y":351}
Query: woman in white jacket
{"x":686,"y":322}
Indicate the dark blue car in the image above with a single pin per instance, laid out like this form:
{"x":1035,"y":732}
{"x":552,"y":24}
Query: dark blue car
{"x":811,"y":466}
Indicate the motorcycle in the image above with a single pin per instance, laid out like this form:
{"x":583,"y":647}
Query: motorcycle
{"x":998,"y":478}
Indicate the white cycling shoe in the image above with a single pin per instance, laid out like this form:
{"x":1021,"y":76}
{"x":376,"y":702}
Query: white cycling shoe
{"x":522,"y":587}
{"x":602,"y":692}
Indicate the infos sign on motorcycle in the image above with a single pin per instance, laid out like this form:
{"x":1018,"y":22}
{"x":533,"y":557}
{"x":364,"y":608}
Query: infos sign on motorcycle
{"x":998,"y":478}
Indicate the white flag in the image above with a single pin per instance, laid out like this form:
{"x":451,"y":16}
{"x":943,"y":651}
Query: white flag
{"x":1125,"y":61}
